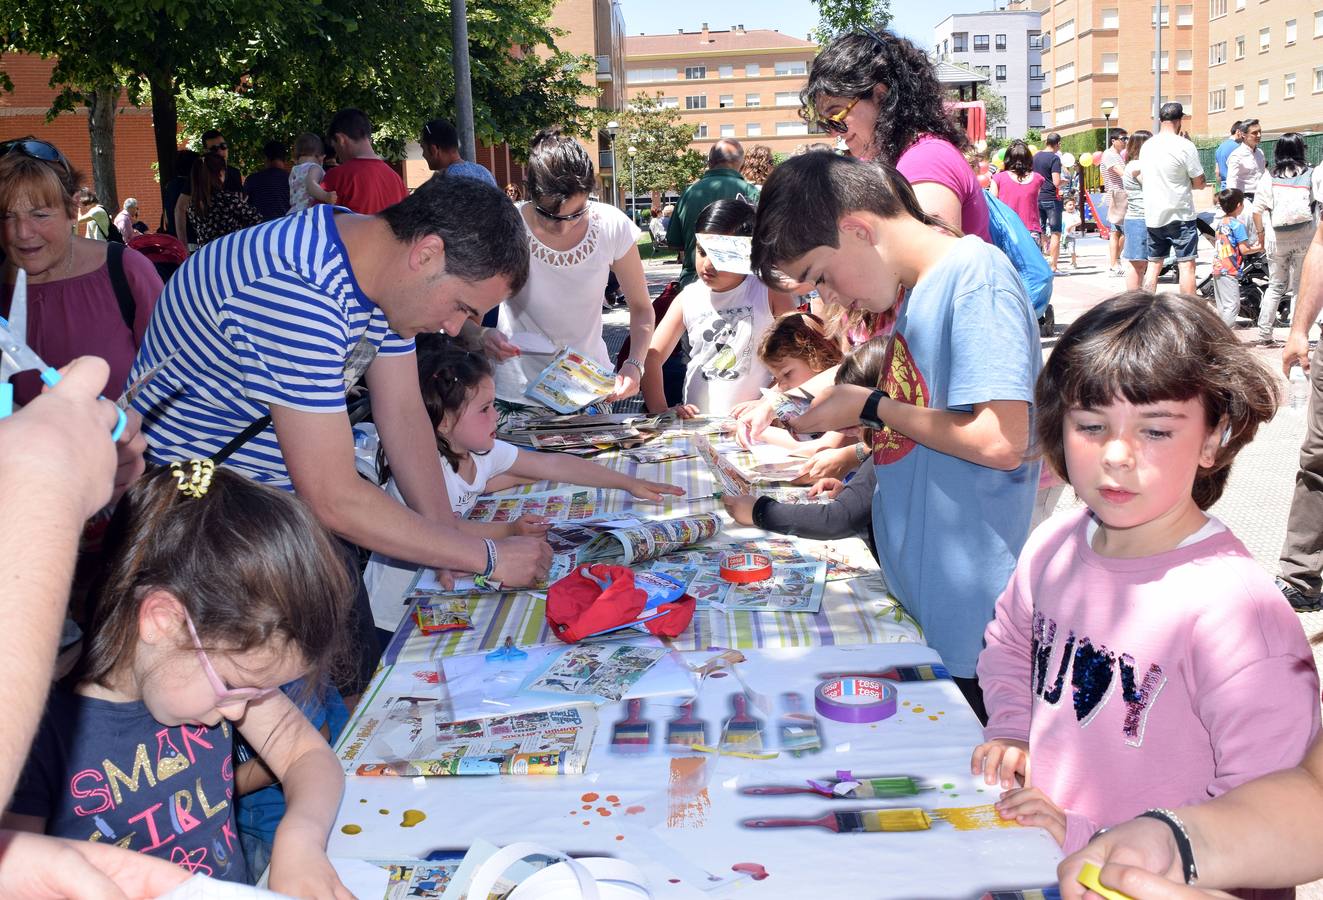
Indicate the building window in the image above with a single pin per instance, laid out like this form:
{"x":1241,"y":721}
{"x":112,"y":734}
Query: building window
{"x":985,"y":71}
{"x":652,"y":74}
{"x":727,"y":130}
{"x":1153,"y":61}
{"x":1217,"y":8}
{"x":1217,"y":100}
{"x":753,"y":129}
{"x":1240,"y":46}
{"x":700,"y":130}
{"x":1065,"y":75}
{"x":726,"y":72}
{"x":1288,"y":86}
{"x":1318,"y":79}
{"x":1217,"y":53}
{"x":752,"y":70}
{"x":787,"y":98}
{"x":753,"y":100}
{"x":1111,"y":18}
{"x":1064,"y":116}
{"x":1000,"y":131}
{"x":1166,"y":17}
{"x":1110,"y":63}
{"x":1184,"y":60}
{"x":695,"y":71}
{"x":1064,"y":32}
{"x":726,"y":101}
{"x":1035,"y":41}
{"x":960,"y":42}
{"x":1290,"y":31}
{"x":1036,"y":72}
{"x":783,"y":128}
{"x":1318,"y":23}
{"x":1035,"y":103}
{"x":1263,"y":90}
{"x":1001,"y":73}
{"x":980,"y":43}
{"x":668,"y":102}
{"x":1238,"y":96}
{"x":796,"y":67}
{"x":696,"y":101}
{"x":1184,"y":16}
{"x":1265,"y":39}
{"x":1000,"y":42}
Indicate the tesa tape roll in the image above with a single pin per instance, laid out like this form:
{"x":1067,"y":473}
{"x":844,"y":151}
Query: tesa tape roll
{"x":743,"y":568}
{"x":855,"y":699}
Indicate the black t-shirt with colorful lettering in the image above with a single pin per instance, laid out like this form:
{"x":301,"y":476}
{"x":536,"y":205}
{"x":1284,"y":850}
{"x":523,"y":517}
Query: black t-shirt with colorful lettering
{"x":105,"y":771}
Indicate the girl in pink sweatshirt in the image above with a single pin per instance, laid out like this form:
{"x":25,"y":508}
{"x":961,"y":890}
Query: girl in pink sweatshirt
{"x":1140,"y":658}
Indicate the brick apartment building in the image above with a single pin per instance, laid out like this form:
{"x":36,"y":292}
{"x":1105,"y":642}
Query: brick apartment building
{"x":734,"y":83}
{"x":1265,"y":61}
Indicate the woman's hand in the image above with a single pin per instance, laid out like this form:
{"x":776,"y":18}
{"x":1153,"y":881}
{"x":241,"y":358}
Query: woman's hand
{"x":627,"y":383}
{"x":38,"y":867}
{"x":740,"y":507}
{"x":653,"y":491}
{"x":684,"y":410}
{"x":529,"y":526}
{"x":1138,"y":857}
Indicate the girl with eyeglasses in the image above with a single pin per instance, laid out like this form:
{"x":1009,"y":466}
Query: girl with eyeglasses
{"x":879,"y":93}
{"x":219,"y":591}
{"x":85,"y":297}
{"x":573,"y":243}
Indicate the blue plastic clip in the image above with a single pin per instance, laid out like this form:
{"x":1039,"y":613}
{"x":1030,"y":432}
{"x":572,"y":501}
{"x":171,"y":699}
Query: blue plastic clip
{"x":507,"y":652}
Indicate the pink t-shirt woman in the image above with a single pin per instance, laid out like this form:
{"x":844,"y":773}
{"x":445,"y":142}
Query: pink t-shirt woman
{"x":937,"y":160}
{"x":1021,"y":196}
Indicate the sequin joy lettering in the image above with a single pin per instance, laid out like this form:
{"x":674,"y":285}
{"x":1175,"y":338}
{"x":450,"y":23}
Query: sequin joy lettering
{"x":1094,"y":674}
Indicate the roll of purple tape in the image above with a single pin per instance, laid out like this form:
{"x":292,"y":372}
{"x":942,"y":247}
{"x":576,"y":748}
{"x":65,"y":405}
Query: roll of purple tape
{"x":855,"y":699}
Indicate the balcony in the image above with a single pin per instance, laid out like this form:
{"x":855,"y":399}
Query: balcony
{"x":606,"y":161}
{"x":604,"y":68}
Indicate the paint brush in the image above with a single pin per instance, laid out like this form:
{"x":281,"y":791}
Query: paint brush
{"x":686,"y":729}
{"x":865,"y":788}
{"x":798,"y":729}
{"x":632,"y":734}
{"x":742,"y":731}
{"x":911,"y":819}
{"x":923,"y":672}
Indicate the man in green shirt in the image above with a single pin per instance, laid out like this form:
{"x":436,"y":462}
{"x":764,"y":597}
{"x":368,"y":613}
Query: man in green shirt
{"x":721,"y":181}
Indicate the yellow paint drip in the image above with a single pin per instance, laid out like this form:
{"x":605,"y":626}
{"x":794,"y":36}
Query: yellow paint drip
{"x":973,"y":818}
{"x":412,"y":817}
{"x":912,"y":819}
{"x":352,"y":829}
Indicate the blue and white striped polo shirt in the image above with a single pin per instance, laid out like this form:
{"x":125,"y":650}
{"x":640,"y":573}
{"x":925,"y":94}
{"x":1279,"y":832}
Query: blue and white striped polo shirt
{"x":264,"y":316}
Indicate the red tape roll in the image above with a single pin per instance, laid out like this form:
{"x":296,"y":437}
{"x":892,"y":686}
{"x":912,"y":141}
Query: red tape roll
{"x":745,"y":568}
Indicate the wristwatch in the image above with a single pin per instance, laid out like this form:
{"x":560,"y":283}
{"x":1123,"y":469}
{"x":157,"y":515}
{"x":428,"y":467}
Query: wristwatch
{"x":869,"y":414}
{"x":635,"y":363}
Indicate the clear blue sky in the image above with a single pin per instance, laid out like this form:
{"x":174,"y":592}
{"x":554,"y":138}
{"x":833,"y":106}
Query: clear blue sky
{"x":913,"y":19}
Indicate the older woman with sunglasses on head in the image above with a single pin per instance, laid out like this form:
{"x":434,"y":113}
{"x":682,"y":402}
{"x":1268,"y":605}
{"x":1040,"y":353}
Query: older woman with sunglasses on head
{"x":880,"y":93}
{"x":85,"y":297}
{"x":573,"y":242}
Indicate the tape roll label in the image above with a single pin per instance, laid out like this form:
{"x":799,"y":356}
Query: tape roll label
{"x":743,"y":568}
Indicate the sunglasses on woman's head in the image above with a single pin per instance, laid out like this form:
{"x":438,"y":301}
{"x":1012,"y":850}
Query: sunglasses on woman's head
{"x":33,"y":148}
{"x":556,"y":217}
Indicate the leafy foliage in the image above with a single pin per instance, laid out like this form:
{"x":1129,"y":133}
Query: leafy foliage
{"x":664,"y":160}
{"x":837,"y":17}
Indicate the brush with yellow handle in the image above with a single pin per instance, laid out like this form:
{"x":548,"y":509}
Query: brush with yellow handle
{"x":904,"y":819}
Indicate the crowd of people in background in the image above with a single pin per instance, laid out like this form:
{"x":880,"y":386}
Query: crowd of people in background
{"x":877,"y":301}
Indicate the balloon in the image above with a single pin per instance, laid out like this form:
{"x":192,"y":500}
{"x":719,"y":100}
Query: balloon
{"x":1086,"y":159}
{"x":984,"y":180}
{"x":1000,"y":157}
{"x":1097,"y":157}
{"x":981,"y":146}
{"x":1068,"y":160}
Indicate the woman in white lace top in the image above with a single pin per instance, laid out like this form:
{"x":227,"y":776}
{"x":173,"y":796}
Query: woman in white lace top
{"x":573,"y":243}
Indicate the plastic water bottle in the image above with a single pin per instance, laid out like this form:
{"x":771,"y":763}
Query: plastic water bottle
{"x":1299,"y":385}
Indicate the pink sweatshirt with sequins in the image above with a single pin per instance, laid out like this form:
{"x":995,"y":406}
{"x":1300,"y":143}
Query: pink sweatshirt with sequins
{"x":1140,"y":683}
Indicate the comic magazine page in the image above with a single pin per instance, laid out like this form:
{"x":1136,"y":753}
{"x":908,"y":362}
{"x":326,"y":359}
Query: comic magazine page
{"x":571,"y":382}
{"x":649,"y":540}
{"x":558,"y":506}
{"x":596,"y":670}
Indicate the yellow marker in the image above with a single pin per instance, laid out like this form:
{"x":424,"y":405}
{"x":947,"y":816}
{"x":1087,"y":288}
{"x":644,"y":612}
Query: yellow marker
{"x":1089,"y":878}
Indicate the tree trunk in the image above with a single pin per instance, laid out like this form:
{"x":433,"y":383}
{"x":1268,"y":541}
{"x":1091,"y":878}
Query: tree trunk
{"x":101,"y":103}
{"x":165,"y":125}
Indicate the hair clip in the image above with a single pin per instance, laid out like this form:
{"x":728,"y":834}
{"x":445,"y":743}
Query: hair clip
{"x":194,"y":485}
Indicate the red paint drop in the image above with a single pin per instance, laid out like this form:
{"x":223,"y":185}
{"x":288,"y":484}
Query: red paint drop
{"x":673,"y":880}
{"x":620,"y":837}
{"x":589,"y":797}
{"x":612,"y":798}
{"x":587,"y":806}
{"x":634,"y":810}
{"x":586,"y":823}
{"x":603,"y":811}
{"x":757,"y":872}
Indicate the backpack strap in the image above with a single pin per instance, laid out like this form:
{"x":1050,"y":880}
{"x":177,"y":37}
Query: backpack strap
{"x":128,"y":307}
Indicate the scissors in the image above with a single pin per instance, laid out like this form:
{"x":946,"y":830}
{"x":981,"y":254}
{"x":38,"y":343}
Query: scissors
{"x":23,"y":358}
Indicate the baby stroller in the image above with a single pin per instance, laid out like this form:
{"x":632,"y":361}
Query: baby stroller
{"x":164,"y":250}
{"x":1253,"y":285}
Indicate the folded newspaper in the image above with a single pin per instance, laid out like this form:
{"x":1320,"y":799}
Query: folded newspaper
{"x":649,"y":540}
{"x":570,"y":382}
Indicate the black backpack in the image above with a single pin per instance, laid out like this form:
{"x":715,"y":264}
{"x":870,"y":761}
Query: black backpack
{"x":128,"y":307}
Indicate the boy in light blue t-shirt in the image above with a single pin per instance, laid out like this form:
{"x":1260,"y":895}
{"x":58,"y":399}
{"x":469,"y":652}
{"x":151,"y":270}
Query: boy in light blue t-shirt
{"x":954,"y":491}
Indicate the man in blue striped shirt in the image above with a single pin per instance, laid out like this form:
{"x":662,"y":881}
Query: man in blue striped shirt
{"x":282,"y":318}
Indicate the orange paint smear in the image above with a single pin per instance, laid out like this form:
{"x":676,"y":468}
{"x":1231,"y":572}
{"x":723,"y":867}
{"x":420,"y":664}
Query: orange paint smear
{"x":754,"y":870}
{"x":612,"y":798}
{"x":634,"y":810}
{"x":620,"y":837}
{"x":589,"y":797}
{"x":687,"y":801}
{"x":974,"y":818}
{"x":603,"y":811}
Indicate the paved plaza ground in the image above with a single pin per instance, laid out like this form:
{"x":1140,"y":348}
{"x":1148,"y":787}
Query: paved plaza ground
{"x":1258,"y":495}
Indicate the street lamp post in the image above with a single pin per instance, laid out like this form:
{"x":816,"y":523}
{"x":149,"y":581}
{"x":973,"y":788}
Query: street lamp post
{"x":1108,"y":107}
{"x":611,"y":128}
{"x":633,"y":193}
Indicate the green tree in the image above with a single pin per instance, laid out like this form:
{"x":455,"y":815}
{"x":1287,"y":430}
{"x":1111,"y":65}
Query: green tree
{"x":994,"y":107}
{"x":664,"y":160}
{"x":838,"y":17}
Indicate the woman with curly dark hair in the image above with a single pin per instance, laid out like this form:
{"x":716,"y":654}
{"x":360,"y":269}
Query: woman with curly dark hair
{"x":879,"y":92}
{"x":758,"y":164}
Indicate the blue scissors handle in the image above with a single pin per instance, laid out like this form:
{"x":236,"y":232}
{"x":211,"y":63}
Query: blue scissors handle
{"x":50,"y":378}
